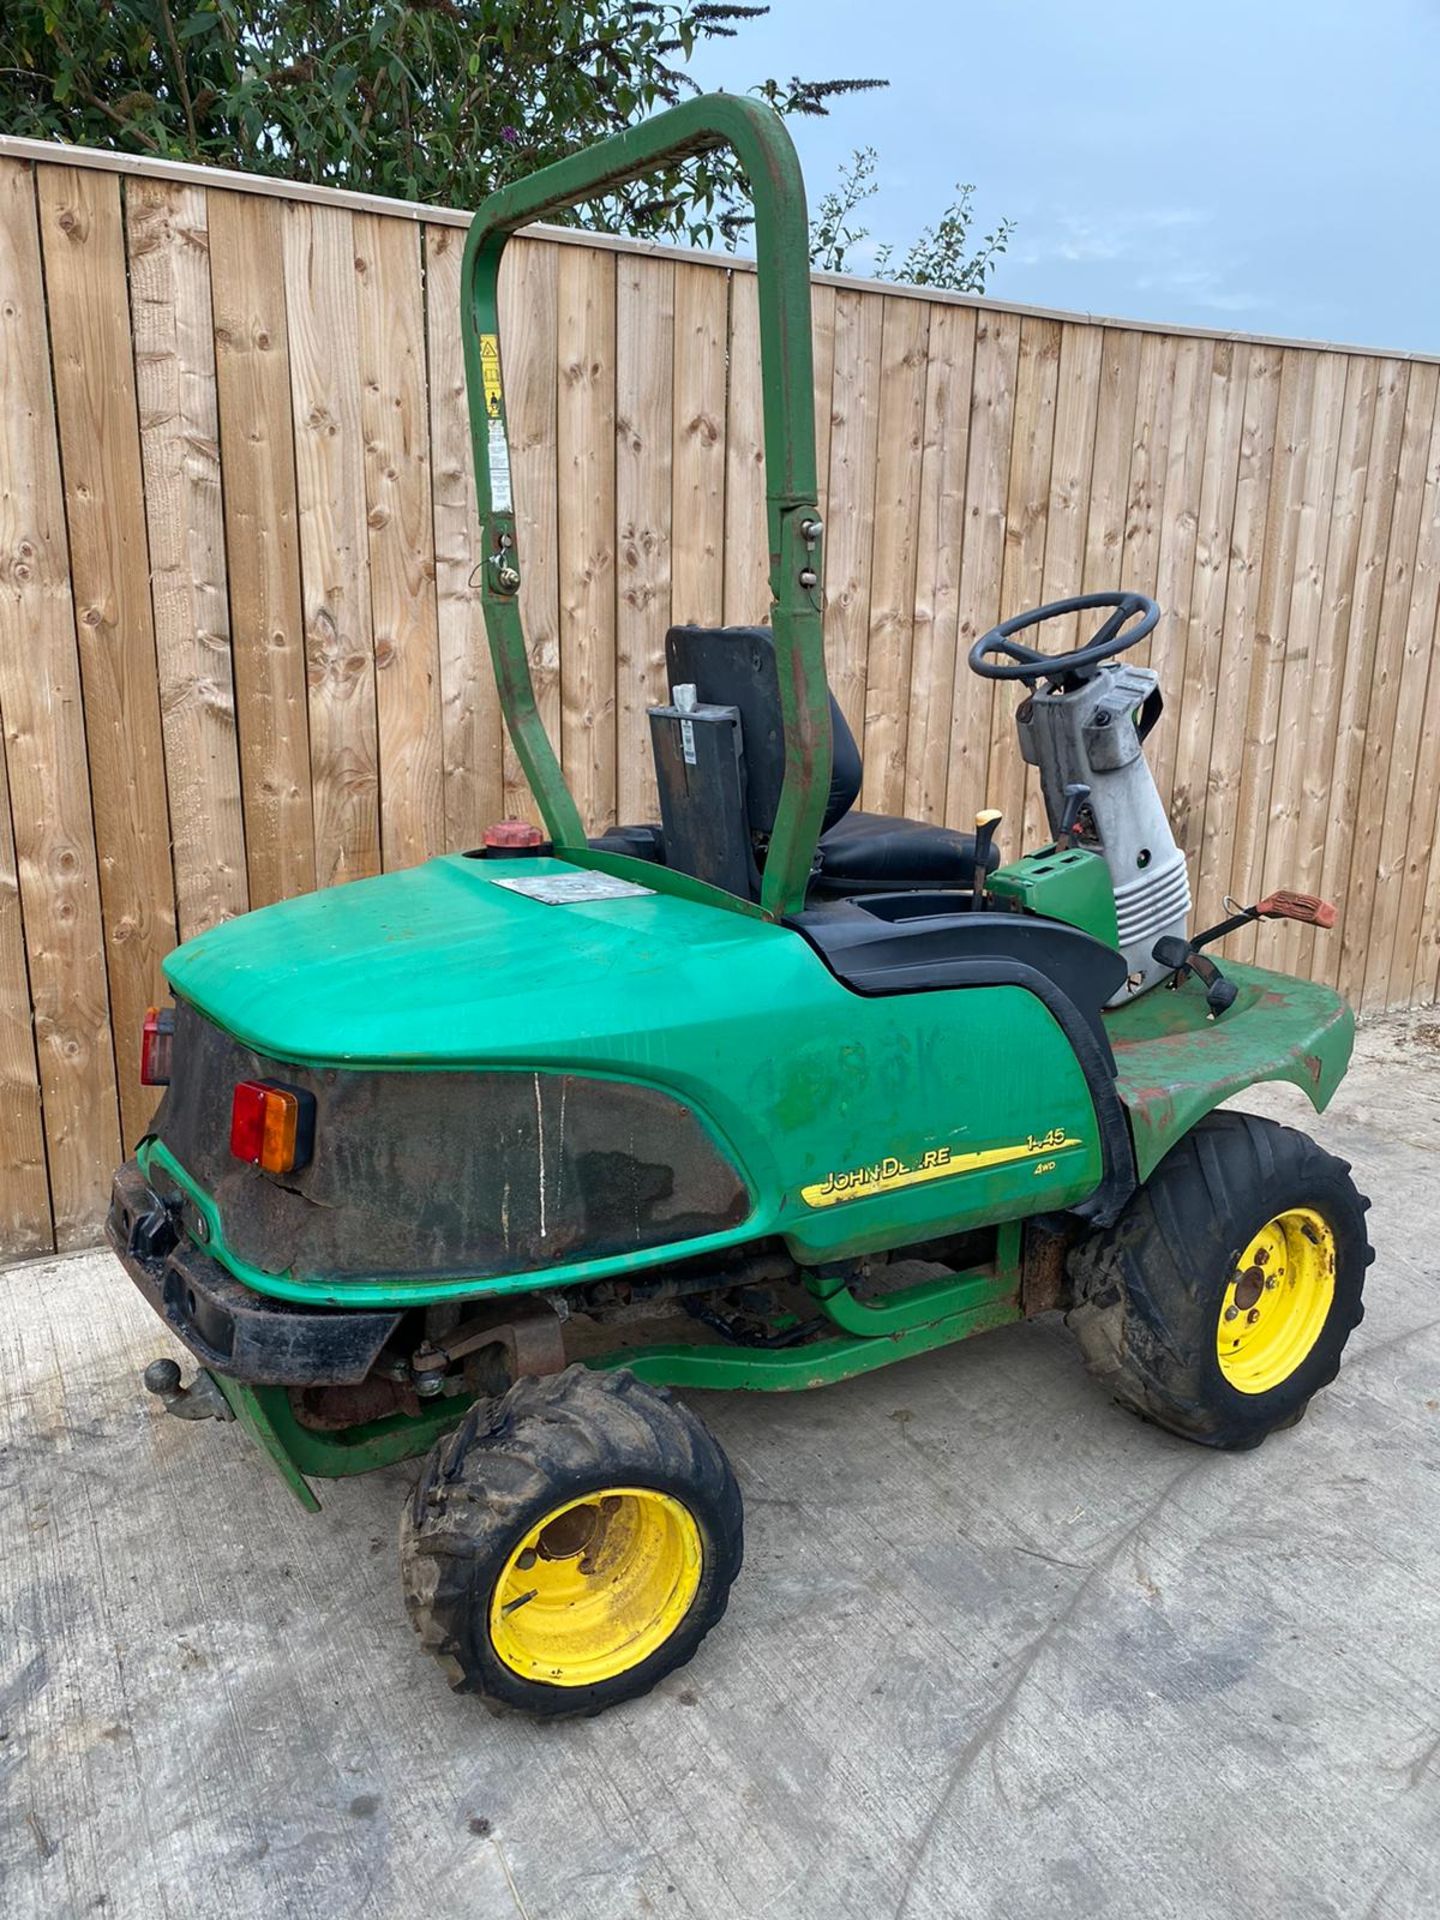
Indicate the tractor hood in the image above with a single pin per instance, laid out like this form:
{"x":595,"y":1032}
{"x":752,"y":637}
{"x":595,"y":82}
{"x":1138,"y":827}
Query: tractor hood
{"x":443,"y":964}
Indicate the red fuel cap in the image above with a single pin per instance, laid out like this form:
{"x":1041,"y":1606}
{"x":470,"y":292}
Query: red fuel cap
{"x":512,"y":834}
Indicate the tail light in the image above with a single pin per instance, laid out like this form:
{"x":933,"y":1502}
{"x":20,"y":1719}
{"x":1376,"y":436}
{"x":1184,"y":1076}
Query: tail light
{"x":157,"y":1041}
{"x":271,"y":1126}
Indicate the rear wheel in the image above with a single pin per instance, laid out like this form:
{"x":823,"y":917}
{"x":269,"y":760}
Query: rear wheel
{"x":571,"y":1544}
{"x":1222,"y":1298}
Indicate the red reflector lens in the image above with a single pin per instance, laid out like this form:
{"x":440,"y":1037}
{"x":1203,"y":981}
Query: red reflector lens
{"x":272,"y":1127}
{"x":247,"y":1121}
{"x":157,"y":1039}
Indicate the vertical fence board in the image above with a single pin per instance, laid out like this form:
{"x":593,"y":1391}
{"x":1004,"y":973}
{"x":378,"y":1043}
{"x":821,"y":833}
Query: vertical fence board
{"x":1242,"y":589}
{"x":1175,"y":561}
{"x":854,"y":437}
{"x":1371,"y":829}
{"x":644,"y":437}
{"x":394,"y":423}
{"x":1022,"y":584}
{"x":585,"y":444}
{"x":25,"y":1221}
{"x":267,"y":622}
{"x":1115,"y":430}
{"x":1193,"y":708}
{"x":939,"y":545}
{"x":1392,"y":880}
{"x":822,"y":348}
{"x":1359,"y":641}
{"x":334,"y":539}
{"x":529,"y":307}
{"x":470,"y":726}
{"x":83,"y":242}
{"x":1411,"y":954}
{"x":1424,"y":987}
{"x":697,"y":478}
{"x":901,"y":400}
{"x":1262,"y":705}
{"x":49,"y":783}
{"x":1067,"y":516}
{"x":747,"y":538}
{"x":1149,"y":458}
{"x":992,"y":414}
{"x":1297,"y":716}
{"x":167,"y":229}
{"x":1321,"y":684}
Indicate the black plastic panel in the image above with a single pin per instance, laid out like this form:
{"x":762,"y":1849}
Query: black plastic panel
{"x":460,"y":1173}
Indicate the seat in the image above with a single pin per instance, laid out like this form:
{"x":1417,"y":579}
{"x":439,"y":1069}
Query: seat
{"x":858,"y":852}
{"x":878,"y":850}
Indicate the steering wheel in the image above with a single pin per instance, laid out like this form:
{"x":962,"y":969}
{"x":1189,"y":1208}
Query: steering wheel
{"x":1024,"y":663}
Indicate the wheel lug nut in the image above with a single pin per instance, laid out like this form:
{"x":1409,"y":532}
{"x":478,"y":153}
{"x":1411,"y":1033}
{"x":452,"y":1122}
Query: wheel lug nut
{"x":1252,"y":1316}
{"x":526,"y":1560}
{"x":1232,"y":1313}
{"x":1271,"y":1284}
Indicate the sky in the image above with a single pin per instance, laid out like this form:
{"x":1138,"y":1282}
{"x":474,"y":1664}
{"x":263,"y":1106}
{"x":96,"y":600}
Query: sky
{"x":1266,"y":168}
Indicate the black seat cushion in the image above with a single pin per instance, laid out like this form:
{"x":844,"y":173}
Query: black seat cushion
{"x":645,"y":842}
{"x":877,"y":850}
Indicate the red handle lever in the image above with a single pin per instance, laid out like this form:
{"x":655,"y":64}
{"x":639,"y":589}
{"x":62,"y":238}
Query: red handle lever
{"x":1296,"y":906}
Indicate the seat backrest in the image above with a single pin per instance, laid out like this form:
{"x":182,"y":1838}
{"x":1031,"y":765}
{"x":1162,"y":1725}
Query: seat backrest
{"x":735,"y":667}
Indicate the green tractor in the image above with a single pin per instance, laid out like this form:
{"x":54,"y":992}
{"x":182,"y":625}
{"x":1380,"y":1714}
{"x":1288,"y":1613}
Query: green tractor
{"x":478,"y":1161}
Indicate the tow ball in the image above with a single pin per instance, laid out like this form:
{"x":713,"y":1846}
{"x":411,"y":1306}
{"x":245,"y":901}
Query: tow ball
{"x":201,"y":1400}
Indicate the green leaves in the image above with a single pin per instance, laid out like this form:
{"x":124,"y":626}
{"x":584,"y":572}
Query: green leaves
{"x":942,"y":256}
{"x":430,"y":100}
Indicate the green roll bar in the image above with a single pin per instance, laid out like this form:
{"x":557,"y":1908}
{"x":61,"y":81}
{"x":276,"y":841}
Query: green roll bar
{"x":767,"y":156}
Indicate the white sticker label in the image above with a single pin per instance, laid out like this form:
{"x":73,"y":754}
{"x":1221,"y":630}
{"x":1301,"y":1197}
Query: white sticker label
{"x":573,"y":889}
{"x":499,"y":468}
{"x":687,"y":741}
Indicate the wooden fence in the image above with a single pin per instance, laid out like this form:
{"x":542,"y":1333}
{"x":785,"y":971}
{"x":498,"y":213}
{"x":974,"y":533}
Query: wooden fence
{"x":241,"y":654}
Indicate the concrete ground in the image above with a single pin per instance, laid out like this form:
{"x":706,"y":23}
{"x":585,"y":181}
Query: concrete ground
{"x":998,"y":1648}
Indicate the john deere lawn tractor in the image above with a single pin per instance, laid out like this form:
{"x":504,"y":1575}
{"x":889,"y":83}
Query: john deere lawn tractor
{"x":478,"y":1161}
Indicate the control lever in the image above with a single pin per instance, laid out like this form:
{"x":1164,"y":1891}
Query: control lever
{"x":1076,"y":794}
{"x":1184,"y":956}
{"x":1307,"y":907}
{"x":1181,"y":958}
{"x":986,"y":821}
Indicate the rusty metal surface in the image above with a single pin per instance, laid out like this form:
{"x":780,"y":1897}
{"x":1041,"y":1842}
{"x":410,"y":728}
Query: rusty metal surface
{"x":332,"y":1409}
{"x":1043,"y":1284}
{"x":1173,"y":1064}
{"x":533,"y":1342}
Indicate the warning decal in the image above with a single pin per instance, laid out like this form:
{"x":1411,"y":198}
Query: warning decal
{"x":490,"y":373}
{"x":498,"y":452}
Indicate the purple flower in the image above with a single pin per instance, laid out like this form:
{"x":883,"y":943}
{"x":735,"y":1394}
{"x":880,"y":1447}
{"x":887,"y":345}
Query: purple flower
{"x":510,"y":135}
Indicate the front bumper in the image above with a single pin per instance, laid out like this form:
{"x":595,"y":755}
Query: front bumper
{"x":229,"y":1328}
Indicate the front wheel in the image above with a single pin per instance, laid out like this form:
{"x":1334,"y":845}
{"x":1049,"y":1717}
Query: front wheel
{"x":1222,"y":1298}
{"x":571,"y":1544}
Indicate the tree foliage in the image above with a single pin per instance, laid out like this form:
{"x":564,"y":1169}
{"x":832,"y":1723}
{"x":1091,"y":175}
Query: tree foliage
{"x":944,"y":255}
{"x":432,"y":100}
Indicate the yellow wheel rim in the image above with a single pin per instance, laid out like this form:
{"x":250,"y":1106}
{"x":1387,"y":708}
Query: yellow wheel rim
{"x":1277,"y":1302}
{"x":596,"y":1587}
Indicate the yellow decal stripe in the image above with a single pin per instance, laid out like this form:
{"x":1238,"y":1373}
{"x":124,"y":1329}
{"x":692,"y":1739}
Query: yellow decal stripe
{"x":861,"y":1182}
